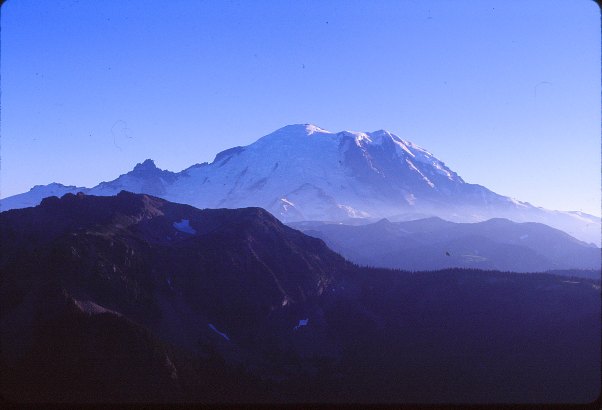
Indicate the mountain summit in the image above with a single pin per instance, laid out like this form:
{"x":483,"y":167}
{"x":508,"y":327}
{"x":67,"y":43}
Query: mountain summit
{"x":147,"y":165}
{"x":304,"y":172}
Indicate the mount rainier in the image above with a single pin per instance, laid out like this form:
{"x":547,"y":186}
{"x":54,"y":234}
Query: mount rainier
{"x":303,"y":172}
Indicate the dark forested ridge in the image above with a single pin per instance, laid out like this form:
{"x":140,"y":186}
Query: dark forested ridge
{"x":133,"y":298}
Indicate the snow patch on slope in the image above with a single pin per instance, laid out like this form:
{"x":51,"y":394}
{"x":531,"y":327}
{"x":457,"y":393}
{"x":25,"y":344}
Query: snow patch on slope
{"x":302,"y":322}
{"x":225,"y":336}
{"x":304,"y":172}
{"x":92,"y":308}
{"x":184,"y":226}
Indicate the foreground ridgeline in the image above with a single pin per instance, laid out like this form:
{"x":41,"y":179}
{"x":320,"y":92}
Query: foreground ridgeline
{"x":303,"y":172}
{"x":132,"y":298}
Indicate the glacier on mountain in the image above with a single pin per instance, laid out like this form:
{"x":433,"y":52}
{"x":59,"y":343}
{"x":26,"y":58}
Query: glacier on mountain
{"x":303,"y":172}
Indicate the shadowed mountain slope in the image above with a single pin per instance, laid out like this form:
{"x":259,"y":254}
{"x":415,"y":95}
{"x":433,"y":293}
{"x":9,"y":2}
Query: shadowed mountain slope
{"x":132,"y":298}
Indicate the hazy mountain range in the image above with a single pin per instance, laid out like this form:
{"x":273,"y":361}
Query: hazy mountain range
{"x":133,"y":298}
{"x":302,"y":172}
{"x":433,"y":243}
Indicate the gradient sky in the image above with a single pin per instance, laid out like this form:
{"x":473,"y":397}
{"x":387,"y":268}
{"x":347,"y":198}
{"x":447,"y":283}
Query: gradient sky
{"x":506,"y":93}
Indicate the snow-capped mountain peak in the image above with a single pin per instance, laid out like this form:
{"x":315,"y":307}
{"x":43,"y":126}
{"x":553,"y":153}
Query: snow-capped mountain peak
{"x":304,"y":172}
{"x":311,"y":128}
{"x":298,"y":130}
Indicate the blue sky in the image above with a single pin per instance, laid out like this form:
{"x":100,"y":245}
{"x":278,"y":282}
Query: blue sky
{"x":506,"y":93}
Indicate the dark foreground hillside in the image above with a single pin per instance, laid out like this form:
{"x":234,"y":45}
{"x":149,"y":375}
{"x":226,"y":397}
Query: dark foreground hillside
{"x":132,"y":298}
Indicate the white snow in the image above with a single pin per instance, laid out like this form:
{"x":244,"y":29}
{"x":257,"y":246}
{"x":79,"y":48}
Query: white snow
{"x":314,"y":128}
{"x":184,"y":226}
{"x":517,"y":202}
{"x":401,"y":147}
{"x":353,"y":213}
{"x":286,"y":201}
{"x":523,"y":237}
{"x":286,"y":204}
{"x":422,"y":155}
{"x":413,"y":167}
{"x":302,"y":322}
{"x":92,"y":308}
{"x":410,"y":198}
{"x":304,"y":172}
{"x":35,"y":195}
{"x":225,"y":336}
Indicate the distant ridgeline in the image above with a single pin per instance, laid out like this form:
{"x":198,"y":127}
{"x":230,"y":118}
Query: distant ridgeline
{"x":432,"y":243}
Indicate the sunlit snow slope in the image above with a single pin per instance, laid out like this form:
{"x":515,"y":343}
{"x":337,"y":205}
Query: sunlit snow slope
{"x":303,"y":172}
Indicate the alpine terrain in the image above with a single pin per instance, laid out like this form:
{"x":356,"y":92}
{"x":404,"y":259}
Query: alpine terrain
{"x":303,"y":172}
{"x":131,"y":298}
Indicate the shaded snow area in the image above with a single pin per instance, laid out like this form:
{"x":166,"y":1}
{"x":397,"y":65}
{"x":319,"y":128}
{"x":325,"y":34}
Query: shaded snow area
{"x":92,"y":308}
{"x":303,"y":172}
{"x":184,"y":226}
{"x":225,"y":336}
{"x":286,"y":203}
{"x":302,"y":322}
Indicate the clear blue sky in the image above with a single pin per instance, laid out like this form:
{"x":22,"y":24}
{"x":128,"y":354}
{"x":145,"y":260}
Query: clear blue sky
{"x":506,"y":93}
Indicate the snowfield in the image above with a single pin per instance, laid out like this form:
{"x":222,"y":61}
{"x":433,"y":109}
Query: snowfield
{"x":303,"y":172}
